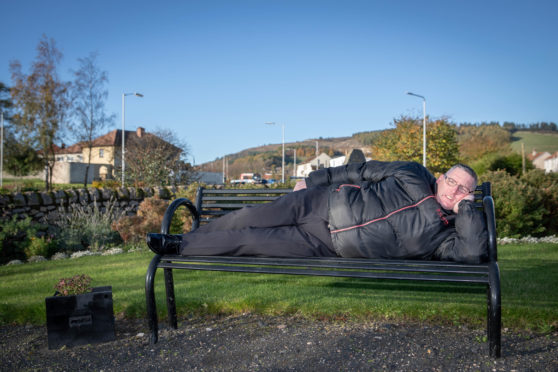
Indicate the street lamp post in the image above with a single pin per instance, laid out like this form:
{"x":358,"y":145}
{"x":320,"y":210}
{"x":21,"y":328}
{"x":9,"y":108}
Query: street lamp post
{"x":283,"y":156}
{"x":1,"y":148}
{"x":123,"y":128}
{"x":423,"y":126}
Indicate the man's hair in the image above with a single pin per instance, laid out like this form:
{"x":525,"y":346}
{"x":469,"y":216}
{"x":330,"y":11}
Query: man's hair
{"x":467,"y":169}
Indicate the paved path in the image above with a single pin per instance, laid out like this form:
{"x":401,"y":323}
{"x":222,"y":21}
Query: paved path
{"x":259,"y":343}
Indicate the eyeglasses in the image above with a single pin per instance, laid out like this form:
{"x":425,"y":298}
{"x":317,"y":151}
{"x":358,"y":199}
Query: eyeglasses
{"x":452,"y":183}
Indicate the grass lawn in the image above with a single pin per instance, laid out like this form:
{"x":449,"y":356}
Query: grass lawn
{"x":529,"y":296}
{"x":35,"y":184}
{"x":538,"y":141}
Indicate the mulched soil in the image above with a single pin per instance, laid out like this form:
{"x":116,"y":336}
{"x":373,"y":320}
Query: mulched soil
{"x":262,"y":343}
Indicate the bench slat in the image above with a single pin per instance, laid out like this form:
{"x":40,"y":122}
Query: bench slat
{"x":341,"y":274}
{"x":240,"y":198}
{"x":342,"y":264}
{"x":228,"y":205}
{"x":245,"y":191}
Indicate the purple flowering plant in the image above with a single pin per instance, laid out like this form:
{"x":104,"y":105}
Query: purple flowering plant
{"x":77,"y":284}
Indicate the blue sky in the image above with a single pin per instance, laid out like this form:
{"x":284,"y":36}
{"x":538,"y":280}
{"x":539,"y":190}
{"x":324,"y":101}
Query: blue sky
{"x":215,"y":71}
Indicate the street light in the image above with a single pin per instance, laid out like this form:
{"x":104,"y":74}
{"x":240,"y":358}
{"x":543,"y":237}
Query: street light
{"x":123,"y":129}
{"x":1,"y":148}
{"x":283,"y":158}
{"x":423,"y":126}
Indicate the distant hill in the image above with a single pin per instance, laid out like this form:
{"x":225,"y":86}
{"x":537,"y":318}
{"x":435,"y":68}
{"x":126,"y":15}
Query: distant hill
{"x":538,"y":141}
{"x":270,"y":155}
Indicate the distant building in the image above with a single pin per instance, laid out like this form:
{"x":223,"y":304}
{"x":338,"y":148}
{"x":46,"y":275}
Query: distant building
{"x":71,"y":161}
{"x":325,"y":161}
{"x":321,"y":161}
{"x":335,"y":162}
{"x":538,"y":158}
{"x":210,"y":178}
{"x":551,"y":163}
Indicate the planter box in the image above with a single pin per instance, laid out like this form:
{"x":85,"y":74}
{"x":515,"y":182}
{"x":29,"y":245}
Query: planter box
{"x":81,"y":319}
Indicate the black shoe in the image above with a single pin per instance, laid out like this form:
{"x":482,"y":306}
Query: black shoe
{"x":164,"y":243}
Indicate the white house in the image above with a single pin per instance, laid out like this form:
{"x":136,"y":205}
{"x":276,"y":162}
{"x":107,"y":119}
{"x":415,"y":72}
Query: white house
{"x":551,"y":163}
{"x":325,"y":161}
{"x":335,"y":162}
{"x":321,"y":161}
{"x":538,"y":158}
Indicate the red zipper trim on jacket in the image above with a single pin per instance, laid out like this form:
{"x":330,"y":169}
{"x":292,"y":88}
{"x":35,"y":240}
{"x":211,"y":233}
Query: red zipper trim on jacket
{"x":347,"y":185}
{"x":383,"y":218}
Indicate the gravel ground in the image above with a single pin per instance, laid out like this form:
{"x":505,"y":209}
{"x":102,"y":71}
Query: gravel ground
{"x":261,"y":343}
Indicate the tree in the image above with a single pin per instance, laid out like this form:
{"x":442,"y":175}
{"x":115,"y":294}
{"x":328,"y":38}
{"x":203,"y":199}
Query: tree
{"x":6,"y":104}
{"x":41,"y":103}
{"x":404,"y":142}
{"x":512,"y":164}
{"x":157,"y":159}
{"x":19,"y":158}
{"x":476,"y":141}
{"x":88,"y":104}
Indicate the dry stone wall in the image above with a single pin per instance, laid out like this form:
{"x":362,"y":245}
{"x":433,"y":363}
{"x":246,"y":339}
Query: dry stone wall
{"x":45,"y":207}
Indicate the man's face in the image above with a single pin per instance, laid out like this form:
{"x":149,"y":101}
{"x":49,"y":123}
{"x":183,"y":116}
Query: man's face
{"x":448,"y":196}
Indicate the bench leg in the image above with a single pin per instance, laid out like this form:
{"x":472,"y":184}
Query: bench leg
{"x":494,"y":311}
{"x":171,"y":303}
{"x":150,"y":299}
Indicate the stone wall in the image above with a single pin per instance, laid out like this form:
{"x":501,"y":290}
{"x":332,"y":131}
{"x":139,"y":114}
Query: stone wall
{"x":45,"y":207}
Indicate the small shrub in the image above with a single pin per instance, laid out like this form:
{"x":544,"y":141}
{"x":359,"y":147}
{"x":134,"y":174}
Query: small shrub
{"x":106,"y":184}
{"x":519,"y":206}
{"x":88,"y":227}
{"x":75,"y":285}
{"x":15,"y":236}
{"x":547,"y":185}
{"x":511,"y":164}
{"x":43,"y":246}
{"x":148,"y":219}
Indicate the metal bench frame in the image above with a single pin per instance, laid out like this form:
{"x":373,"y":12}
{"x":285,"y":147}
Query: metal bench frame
{"x":212,"y":203}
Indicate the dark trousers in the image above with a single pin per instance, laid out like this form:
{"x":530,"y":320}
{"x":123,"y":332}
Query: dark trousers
{"x":295,"y":225}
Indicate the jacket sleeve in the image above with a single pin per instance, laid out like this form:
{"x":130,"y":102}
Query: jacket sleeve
{"x":373,"y":171}
{"x":469,"y":242}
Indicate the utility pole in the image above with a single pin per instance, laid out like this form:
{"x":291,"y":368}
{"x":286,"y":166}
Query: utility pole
{"x":224,"y":177}
{"x":294,"y":166}
{"x":523,"y":158}
{"x":2,"y":149}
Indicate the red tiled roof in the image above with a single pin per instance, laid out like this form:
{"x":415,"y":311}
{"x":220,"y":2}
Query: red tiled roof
{"x":74,"y":149}
{"x":112,"y":138}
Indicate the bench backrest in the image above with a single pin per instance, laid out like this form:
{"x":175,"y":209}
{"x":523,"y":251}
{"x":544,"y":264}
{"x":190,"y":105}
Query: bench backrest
{"x":213,"y":203}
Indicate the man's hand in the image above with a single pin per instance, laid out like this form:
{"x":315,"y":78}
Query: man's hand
{"x":470,"y":197}
{"x":300,"y":185}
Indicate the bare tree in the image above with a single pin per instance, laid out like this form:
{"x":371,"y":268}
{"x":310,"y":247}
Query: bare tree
{"x":41,"y":103}
{"x":88,"y":104}
{"x":157,"y":159}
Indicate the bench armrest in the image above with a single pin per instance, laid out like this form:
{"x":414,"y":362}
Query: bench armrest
{"x":169,"y":213}
{"x":488,"y":204}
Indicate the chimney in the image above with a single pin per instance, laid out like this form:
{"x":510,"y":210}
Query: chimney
{"x":140,"y":132}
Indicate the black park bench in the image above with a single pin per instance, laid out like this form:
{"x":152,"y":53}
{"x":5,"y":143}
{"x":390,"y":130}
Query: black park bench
{"x":212,"y":203}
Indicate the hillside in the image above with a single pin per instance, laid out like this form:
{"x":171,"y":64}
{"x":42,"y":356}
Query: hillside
{"x":540,"y":142}
{"x":269,"y":156}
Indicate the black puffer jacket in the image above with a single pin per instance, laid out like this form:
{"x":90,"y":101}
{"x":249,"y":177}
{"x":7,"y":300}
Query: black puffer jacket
{"x":389,"y":210}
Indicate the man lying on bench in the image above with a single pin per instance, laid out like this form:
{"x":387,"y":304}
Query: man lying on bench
{"x":375,"y":209}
